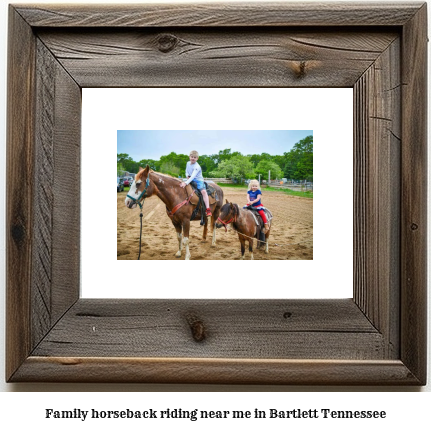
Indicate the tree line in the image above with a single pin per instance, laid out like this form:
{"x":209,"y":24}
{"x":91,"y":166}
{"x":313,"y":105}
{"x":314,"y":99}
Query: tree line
{"x":297,"y":164}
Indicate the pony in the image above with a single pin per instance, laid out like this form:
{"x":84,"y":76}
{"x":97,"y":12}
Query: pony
{"x":244,"y":223}
{"x":178,"y":207}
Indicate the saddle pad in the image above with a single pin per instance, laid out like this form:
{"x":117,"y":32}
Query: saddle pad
{"x":256,"y":215}
{"x":195,"y":198}
{"x":255,"y":218}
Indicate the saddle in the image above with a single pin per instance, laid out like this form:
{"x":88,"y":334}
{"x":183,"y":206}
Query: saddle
{"x":198,"y":200}
{"x":256,"y":215}
{"x":212,"y":193}
{"x":259,"y":222}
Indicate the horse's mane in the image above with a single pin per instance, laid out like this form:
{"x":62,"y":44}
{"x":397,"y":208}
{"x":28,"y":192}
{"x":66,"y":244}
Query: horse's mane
{"x":140,"y":174}
{"x":235,"y":210}
{"x":166,"y":175}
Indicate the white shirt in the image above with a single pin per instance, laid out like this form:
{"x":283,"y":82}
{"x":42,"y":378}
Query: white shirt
{"x":194,"y":171}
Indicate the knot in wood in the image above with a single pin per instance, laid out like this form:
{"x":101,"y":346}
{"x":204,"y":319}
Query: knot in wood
{"x":414,"y":226}
{"x":18,"y":233}
{"x":167,"y":42}
{"x":301,"y":69}
{"x":197,"y":327}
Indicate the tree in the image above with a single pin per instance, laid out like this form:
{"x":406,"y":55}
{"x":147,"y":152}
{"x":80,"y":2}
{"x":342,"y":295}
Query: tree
{"x":224,"y":155}
{"x":267,"y":165}
{"x":170,"y":169}
{"x":120,"y":169}
{"x":298,"y":162}
{"x":127,"y":162}
{"x":151,"y":163}
{"x":207,"y":164}
{"x":174,"y":159}
{"x":237,"y":168}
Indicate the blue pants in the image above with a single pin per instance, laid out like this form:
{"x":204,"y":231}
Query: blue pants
{"x":200,"y":185}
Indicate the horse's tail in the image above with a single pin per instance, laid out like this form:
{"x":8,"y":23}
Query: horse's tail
{"x":219,"y":192}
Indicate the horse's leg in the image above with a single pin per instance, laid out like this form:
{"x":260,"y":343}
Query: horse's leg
{"x":179,"y":228}
{"x":204,"y":236}
{"x":267,"y":243}
{"x":213,"y":222}
{"x":242,"y":241}
{"x":186,"y":231}
{"x":250,"y":248}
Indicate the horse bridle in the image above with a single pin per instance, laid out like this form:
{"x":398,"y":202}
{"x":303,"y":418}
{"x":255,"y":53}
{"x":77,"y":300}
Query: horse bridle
{"x":142,"y":195}
{"x":233,"y":219}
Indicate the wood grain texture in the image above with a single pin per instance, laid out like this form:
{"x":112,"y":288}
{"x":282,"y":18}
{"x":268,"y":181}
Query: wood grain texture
{"x":215,"y":371}
{"x":414,"y":194}
{"x":55,"y":278}
{"x":19,"y":196}
{"x":378,"y":337}
{"x":66,"y":190}
{"x":43,"y":194}
{"x":234,"y":329}
{"x":377,"y":101}
{"x":226,"y":14}
{"x":216,"y":58}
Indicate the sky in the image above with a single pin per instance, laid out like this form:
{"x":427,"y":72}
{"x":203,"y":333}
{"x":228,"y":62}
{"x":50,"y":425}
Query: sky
{"x":152,"y":144}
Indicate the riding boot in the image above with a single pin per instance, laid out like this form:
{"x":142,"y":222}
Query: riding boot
{"x":266,"y":228}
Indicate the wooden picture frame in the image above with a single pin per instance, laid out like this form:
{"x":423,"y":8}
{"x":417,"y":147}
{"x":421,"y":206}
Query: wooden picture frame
{"x":376,"y":338}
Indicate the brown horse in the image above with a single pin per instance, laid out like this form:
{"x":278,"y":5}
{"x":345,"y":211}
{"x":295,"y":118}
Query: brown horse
{"x":148,"y":183}
{"x":244,"y":223}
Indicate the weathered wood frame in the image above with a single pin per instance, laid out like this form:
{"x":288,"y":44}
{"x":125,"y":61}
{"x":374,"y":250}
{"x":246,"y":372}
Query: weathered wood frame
{"x":378,"y":337}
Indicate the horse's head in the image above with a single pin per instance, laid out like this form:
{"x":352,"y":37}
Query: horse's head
{"x":228,"y":214}
{"x":140,"y":189}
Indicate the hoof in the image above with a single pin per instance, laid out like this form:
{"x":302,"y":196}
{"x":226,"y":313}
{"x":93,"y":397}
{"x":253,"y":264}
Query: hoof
{"x":178,"y":254}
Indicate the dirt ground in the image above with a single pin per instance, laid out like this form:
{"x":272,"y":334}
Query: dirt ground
{"x":291,"y":235}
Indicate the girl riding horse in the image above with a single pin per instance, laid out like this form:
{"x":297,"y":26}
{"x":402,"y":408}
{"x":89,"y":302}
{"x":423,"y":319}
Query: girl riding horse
{"x":244,"y":222}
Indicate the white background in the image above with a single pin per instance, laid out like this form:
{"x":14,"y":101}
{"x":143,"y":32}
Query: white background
{"x":328,"y":112}
{"x":406,"y":408}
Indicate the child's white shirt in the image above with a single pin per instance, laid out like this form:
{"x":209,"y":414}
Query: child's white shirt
{"x":194,"y":171}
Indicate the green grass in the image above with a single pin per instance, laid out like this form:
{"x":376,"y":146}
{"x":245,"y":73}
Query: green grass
{"x":308,"y":194}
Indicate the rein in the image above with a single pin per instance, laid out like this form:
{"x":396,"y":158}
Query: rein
{"x":137,"y":201}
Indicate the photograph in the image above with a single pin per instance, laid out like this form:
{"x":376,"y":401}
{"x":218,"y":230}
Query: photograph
{"x":243,"y":195}
{"x":213,"y":110}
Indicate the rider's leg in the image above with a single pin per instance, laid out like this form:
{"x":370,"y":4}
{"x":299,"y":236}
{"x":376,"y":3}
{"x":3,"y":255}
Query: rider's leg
{"x":265,"y":221}
{"x":202,"y":189}
{"x":205,"y":196}
{"x":206,"y":201}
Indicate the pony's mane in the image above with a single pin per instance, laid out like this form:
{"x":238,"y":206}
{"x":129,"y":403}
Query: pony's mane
{"x":140,"y":174}
{"x":235,"y":210}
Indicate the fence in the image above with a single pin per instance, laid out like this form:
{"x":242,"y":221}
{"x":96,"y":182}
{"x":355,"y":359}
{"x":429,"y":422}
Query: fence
{"x":220,"y":180}
{"x":287,"y":184}
{"x":302,"y":185}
